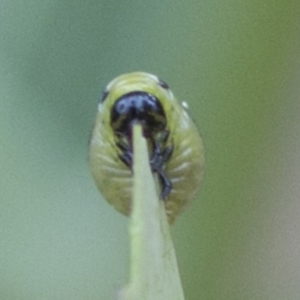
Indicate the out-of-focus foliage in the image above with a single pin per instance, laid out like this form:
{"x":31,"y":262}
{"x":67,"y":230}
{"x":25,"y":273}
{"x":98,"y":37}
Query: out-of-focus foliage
{"x":235,"y":62}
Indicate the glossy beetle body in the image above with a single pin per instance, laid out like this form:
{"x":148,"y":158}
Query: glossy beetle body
{"x":175,"y":147}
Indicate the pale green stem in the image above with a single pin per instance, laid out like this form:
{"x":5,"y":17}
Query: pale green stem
{"x":154,"y":272}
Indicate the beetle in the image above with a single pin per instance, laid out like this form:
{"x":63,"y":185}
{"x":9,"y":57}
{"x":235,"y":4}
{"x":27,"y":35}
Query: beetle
{"x":176,"y":152}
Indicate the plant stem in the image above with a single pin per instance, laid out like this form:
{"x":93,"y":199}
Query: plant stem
{"x":154,"y":272}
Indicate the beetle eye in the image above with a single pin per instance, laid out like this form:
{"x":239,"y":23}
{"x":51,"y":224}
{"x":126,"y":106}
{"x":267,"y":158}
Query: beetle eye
{"x":103,"y":96}
{"x":163,"y":84}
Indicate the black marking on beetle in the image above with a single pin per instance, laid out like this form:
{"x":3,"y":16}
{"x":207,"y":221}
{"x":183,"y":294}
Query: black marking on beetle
{"x":146,"y":109}
{"x":163,"y":84}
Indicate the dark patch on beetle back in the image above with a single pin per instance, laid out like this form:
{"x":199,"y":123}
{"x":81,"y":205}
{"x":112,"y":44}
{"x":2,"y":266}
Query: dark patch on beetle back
{"x":147,"y":110}
{"x":140,"y":107}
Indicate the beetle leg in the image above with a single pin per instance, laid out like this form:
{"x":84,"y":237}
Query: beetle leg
{"x":122,"y":146}
{"x":122,"y":143}
{"x":126,"y":158}
{"x":166,"y":185}
{"x":165,"y":135}
{"x":159,"y":156}
{"x":167,"y":153}
{"x":126,"y":155}
{"x":157,"y":160}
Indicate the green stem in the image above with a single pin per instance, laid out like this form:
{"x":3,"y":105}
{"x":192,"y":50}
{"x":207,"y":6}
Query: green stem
{"x":154,"y":272}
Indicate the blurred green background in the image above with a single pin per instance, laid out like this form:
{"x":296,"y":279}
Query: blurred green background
{"x":237,"y":63}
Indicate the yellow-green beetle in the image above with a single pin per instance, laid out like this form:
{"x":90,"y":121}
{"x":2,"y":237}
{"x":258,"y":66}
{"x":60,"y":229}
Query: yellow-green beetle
{"x":175,"y":146}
